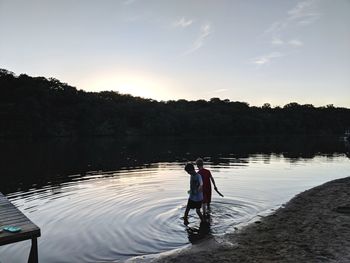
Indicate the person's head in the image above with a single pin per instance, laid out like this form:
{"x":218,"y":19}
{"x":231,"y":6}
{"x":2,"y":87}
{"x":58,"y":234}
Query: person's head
{"x":189,"y":168}
{"x":199,"y":162}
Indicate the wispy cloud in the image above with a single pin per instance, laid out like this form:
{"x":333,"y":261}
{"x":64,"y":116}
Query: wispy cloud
{"x":295,"y":43}
{"x":278,"y":42}
{"x":183,"y":22}
{"x":266,"y":59}
{"x":304,"y":13}
{"x":276,"y":27}
{"x":205,"y":32}
{"x":219,"y":90}
{"x":128,"y":2}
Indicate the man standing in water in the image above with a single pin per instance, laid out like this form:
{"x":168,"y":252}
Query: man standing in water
{"x":196,"y":194}
{"x":206,"y":178}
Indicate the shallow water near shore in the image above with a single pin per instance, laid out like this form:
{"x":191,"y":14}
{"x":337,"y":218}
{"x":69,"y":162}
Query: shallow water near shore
{"x":124,"y":200}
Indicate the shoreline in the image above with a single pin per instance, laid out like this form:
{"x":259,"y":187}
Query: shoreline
{"x":314,"y":226}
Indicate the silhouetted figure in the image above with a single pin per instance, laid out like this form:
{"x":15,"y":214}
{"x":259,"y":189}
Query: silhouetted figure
{"x":195,"y":193}
{"x":206,"y":177}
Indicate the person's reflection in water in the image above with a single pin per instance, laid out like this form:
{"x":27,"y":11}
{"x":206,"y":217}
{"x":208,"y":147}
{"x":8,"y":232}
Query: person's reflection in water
{"x":197,"y":234}
{"x":347,"y":146}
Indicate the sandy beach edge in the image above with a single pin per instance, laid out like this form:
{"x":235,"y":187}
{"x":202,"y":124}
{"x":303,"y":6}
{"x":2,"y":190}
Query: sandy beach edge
{"x":314,"y":226}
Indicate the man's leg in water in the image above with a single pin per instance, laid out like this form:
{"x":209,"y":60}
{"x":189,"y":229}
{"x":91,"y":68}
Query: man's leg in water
{"x":186,"y":215}
{"x":198,"y":210}
{"x":204,"y":207}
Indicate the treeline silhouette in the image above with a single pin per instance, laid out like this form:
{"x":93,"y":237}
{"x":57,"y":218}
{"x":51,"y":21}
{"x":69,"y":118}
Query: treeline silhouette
{"x":37,"y":106}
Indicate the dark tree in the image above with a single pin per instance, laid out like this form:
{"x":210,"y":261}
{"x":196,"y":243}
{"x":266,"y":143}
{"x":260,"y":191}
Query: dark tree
{"x":36,"y":107}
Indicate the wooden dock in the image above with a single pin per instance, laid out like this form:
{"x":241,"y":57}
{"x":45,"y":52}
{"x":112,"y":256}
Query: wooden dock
{"x":11,"y":216}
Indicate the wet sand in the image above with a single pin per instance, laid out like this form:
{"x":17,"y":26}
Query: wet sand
{"x":312,"y":227}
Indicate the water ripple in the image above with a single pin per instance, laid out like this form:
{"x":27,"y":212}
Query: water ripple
{"x":118,"y":215}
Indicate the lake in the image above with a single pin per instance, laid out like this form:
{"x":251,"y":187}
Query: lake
{"x":113,"y":199}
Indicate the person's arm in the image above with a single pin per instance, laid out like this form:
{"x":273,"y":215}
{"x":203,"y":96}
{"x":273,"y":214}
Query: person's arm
{"x":213,"y":181}
{"x":200,"y":187}
{"x":215,"y":188}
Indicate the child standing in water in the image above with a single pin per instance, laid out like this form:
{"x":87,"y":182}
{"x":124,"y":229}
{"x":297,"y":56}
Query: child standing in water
{"x":196,"y":194}
{"x":206,"y":178}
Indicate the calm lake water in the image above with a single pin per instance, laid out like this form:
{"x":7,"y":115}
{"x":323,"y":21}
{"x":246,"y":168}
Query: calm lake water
{"x":111,"y":200}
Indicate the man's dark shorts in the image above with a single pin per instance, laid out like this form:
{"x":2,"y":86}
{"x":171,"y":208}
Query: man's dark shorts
{"x":194,"y":204}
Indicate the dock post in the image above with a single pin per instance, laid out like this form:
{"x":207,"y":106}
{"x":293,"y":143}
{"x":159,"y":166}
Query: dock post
{"x":33,"y":256}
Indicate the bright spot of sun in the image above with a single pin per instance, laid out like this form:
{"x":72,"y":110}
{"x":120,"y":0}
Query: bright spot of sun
{"x":136,"y":84}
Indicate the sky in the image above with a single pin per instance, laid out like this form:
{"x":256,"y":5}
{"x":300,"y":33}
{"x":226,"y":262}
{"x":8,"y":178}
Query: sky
{"x":254,"y":51}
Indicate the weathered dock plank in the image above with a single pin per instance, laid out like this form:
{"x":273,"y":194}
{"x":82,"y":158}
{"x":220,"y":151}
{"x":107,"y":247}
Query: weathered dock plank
{"x":11,"y":216}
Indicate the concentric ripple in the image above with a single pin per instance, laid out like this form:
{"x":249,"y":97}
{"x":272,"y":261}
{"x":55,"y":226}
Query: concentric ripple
{"x":139,"y":211}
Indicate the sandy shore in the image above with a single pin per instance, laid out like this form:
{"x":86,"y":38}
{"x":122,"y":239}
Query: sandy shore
{"x":313,"y":227}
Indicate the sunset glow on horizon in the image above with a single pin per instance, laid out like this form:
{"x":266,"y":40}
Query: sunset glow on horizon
{"x":252,"y":51}
{"x":136,"y":84}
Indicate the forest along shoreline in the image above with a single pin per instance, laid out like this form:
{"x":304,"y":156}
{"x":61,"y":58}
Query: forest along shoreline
{"x":37,"y":107}
{"x":314,"y":226}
